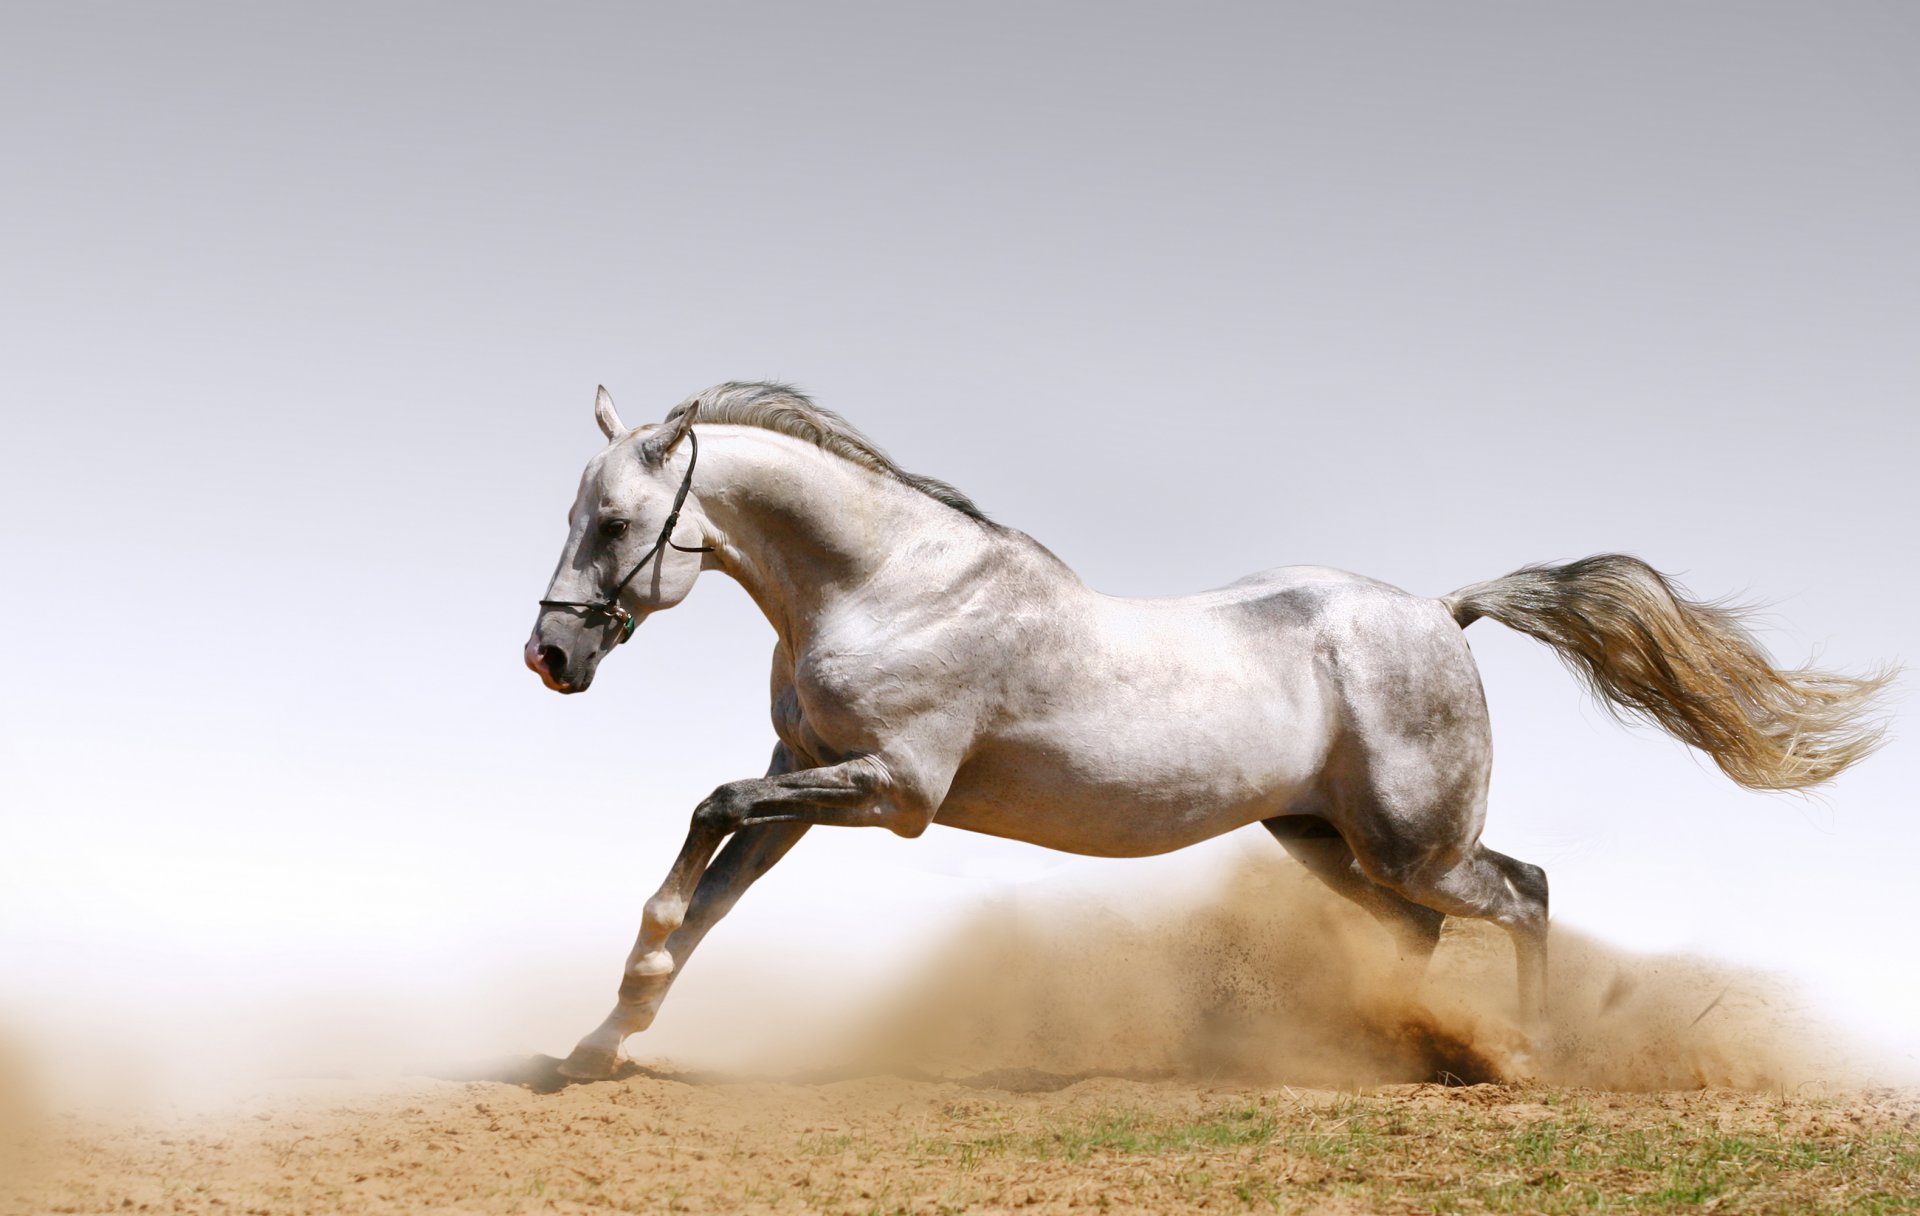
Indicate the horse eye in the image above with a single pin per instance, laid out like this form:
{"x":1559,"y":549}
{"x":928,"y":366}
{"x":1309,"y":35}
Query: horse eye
{"x":613,"y":529}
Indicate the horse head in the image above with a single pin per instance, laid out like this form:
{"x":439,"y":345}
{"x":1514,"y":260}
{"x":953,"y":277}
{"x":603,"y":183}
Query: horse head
{"x":621,"y":562}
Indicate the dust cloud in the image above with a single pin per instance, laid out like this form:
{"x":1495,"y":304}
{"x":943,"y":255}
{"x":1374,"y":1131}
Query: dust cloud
{"x":1258,"y":976}
{"x":1278,"y":981}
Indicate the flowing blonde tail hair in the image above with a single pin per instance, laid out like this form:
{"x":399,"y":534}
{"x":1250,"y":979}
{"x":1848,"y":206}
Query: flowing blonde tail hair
{"x":1644,"y":649}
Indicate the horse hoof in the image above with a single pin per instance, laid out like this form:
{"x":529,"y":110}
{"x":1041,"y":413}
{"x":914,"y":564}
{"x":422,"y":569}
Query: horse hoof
{"x":587,"y":1064}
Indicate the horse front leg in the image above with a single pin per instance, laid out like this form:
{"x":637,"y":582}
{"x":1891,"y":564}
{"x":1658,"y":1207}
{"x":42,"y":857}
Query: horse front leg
{"x":667,"y":937}
{"x":765,"y":812}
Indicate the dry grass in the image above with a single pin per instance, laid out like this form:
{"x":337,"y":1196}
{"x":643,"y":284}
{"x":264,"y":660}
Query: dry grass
{"x":1441,"y":1153}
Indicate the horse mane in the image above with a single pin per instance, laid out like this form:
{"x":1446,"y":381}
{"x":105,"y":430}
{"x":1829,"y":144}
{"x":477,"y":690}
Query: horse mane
{"x":786,"y":410}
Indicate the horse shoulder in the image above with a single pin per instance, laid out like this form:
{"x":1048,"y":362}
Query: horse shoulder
{"x":910,"y":677}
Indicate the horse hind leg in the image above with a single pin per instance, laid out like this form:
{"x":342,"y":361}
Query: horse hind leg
{"x":1486,"y":885}
{"x":1408,"y":786}
{"x":1318,"y":846}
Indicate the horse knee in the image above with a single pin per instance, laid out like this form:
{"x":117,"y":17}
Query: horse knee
{"x":720,"y":812}
{"x":908,"y":823}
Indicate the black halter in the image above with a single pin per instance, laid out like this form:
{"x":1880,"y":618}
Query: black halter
{"x":610,"y":606}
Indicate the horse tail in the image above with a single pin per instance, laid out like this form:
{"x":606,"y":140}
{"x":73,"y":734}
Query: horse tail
{"x":1644,"y":649}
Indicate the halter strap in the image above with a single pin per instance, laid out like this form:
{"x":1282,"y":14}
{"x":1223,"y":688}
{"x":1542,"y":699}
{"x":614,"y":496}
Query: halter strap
{"x":609,"y":607}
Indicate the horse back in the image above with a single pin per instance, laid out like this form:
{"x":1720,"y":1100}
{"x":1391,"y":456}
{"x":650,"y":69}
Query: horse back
{"x":1133,"y":726}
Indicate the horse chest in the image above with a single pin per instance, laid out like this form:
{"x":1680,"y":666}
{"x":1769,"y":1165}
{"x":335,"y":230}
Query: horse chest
{"x":852,"y":698}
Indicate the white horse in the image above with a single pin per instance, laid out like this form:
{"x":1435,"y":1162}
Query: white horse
{"x":934,"y":665}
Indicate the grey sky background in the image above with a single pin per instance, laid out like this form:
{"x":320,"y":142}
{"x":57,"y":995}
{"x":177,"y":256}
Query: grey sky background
{"x":304,"y":307}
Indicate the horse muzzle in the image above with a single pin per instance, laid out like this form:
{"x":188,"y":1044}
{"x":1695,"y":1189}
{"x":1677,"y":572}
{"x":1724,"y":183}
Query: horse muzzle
{"x":549,"y":662}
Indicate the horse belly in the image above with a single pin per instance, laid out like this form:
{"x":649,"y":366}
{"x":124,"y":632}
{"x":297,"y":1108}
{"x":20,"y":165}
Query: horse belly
{"x":1138,"y":785}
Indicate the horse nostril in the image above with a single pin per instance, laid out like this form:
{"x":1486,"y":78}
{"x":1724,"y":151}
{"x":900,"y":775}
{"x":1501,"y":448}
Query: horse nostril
{"x":554,"y":660}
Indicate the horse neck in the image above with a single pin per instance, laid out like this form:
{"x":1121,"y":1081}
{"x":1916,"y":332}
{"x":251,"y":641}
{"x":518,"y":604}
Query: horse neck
{"x":802,"y":530}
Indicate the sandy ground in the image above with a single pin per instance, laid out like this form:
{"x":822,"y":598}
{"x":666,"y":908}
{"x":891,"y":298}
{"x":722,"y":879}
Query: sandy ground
{"x":653,"y":1143}
{"x":1251,"y":1054}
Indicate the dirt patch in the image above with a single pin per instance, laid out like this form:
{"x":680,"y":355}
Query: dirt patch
{"x":653,"y":1143}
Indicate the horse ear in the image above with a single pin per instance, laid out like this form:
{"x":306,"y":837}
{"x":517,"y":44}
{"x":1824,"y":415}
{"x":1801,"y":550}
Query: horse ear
{"x":655,"y":448}
{"x":606,"y":416}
